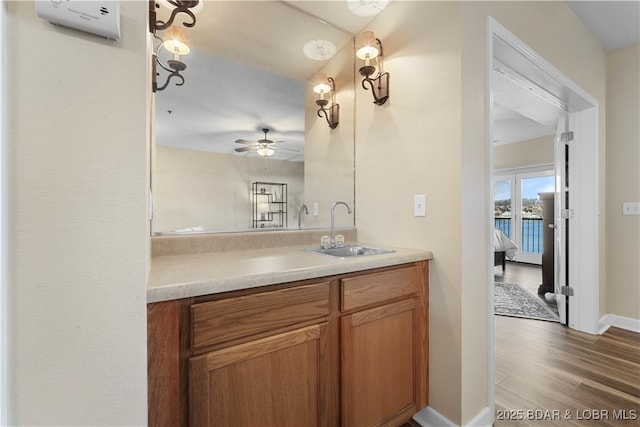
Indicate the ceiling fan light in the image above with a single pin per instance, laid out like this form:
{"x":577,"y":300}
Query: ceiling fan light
{"x":266,"y":151}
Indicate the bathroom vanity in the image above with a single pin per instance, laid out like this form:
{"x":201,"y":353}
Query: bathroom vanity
{"x":281,"y":336}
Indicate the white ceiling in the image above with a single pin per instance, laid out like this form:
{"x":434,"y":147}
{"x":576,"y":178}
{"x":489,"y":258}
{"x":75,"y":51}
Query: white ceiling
{"x":257,"y":45}
{"x":615,"y":24}
{"x":520,"y":113}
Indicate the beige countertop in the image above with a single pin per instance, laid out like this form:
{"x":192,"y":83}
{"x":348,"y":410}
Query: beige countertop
{"x":182,"y":276}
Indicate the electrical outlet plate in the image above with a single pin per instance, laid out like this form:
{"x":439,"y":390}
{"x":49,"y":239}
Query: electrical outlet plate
{"x":631,"y":208}
{"x":315,"y":209}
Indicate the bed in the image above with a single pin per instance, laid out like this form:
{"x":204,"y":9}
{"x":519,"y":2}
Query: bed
{"x":503,"y":248}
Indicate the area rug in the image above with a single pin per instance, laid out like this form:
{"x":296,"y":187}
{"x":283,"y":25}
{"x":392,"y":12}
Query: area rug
{"x":510,"y":299}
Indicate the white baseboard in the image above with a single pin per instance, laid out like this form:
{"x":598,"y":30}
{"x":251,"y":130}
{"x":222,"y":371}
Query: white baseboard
{"x":621,"y":322}
{"x":429,"y":417}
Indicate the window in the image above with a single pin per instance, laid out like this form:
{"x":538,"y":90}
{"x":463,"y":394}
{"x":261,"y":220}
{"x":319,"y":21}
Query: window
{"x":518,"y":209}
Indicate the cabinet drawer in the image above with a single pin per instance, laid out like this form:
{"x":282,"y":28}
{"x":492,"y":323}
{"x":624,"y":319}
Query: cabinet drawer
{"x":373,"y":288}
{"x":216,"y":322}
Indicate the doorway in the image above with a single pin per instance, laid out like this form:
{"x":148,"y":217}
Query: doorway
{"x":511,"y":59}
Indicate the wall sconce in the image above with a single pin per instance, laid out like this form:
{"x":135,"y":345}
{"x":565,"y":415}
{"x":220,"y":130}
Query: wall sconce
{"x":326,"y":88}
{"x":176,"y":6}
{"x":175,"y":40}
{"x":176,"y":43}
{"x":370,"y":48}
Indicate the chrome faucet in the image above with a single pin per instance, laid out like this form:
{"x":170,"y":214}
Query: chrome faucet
{"x":300,"y":209}
{"x":333,"y":228}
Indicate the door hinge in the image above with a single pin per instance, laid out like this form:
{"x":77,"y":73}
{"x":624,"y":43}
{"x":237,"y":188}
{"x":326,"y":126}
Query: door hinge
{"x":566,"y":213}
{"x":566,"y":136}
{"x":566,"y":290}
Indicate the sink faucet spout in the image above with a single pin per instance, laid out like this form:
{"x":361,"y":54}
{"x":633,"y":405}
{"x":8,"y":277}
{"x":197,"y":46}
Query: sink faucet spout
{"x":333,"y":215}
{"x":301,"y":208}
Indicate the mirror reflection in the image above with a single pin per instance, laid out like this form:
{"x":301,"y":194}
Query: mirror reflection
{"x":246,"y":119}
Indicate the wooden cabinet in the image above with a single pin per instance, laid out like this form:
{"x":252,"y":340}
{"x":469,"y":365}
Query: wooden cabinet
{"x":273,"y":381}
{"x":379,"y":375}
{"x":384,"y":348}
{"x":346,"y":350}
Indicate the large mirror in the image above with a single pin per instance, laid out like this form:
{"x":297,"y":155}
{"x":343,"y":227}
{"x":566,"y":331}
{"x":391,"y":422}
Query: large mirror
{"x":248,"y":80}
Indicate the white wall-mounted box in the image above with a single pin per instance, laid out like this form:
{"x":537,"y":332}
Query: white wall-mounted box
{"x":100,"y":17}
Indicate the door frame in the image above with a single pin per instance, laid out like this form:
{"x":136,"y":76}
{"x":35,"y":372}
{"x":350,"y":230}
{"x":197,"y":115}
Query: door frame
{"x":584,"y":258}
{"x":3,"y":216}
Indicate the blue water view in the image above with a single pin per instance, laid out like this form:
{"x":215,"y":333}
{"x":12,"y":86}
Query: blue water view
{"x":532,"y":235}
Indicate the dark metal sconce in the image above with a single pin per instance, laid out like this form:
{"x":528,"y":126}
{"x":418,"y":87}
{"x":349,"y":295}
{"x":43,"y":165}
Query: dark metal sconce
{"x":179,"y":6}
{"x":371,"y":48}
{"x":326,"y":85}
{"x":175,"y":40}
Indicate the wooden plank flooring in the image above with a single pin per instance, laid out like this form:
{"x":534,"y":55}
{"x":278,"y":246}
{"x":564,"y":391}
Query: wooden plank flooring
{"x":550,"y":375}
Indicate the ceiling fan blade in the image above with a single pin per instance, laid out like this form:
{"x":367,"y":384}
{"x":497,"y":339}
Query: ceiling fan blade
{"x":245,"y":141}
{"x":242,"y":149}
{"x":287,"y":149}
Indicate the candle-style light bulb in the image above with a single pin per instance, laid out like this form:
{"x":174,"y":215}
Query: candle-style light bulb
{"x":368,"y":47}
{"x":322,"y":85}
{"x":176,"y":42}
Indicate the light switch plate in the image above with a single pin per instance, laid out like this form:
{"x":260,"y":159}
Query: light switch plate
{"x":420,"y":205}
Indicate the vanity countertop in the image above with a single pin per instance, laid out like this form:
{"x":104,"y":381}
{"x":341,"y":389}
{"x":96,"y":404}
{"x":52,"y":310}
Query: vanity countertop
{"x":182,"y":276}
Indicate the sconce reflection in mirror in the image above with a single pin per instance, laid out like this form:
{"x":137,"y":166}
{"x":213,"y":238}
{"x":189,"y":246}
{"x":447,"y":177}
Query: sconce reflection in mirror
{"x":370,"y":48}
{"x":175,"y":40}
{"x":175,"y":43}
{"x":326,"y":88}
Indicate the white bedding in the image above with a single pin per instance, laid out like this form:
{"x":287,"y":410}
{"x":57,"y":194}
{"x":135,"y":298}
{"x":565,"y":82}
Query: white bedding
{"x":503,"y":243}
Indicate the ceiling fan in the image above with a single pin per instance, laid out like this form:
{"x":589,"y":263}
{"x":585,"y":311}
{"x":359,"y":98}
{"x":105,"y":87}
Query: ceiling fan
{"x":264,"y":147}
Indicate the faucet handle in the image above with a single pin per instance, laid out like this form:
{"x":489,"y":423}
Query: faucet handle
{"x":325,"y":242}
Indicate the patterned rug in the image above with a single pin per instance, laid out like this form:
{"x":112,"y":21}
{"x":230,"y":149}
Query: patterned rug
{"x":510,"y":299}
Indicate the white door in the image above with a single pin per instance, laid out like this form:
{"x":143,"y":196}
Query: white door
{"x":562,"y":214}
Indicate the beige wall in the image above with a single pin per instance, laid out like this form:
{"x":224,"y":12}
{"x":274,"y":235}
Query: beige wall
{"x":212,"y":190}
{"x":78,"y":175}
{"x":430,"y":138}
{"x":409,"y":146}
{"x":533,"y":152}
{"x":623,"y":182}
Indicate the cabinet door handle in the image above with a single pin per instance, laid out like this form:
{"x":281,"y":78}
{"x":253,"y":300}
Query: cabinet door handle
{"x":551,"y":226}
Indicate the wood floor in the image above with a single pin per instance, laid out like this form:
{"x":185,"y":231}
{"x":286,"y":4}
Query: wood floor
{"x":549,"y":375}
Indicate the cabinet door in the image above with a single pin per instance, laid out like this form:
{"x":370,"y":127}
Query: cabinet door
{"x":380,"y":365}
{"x":274,"y":381}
